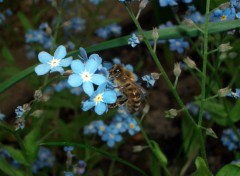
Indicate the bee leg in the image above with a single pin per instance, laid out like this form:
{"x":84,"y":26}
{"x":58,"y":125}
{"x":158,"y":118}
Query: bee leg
{"x":120,"y":101}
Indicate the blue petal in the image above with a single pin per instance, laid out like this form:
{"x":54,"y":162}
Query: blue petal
{"x":91,"y":65}
{"x":83,"y":53}
{"x":96,"y":57}
{"x":57,"y":69}
{"x":101,"y":88}
{"x":110,"y":143}
{"x":60,"y":52}
{"x":88,"y":88}
{"x":44,"y":57}
{"x":74,"y":80}
{"x":87,"y":105}
{"x":109,"y":97}
{"x":100,"y":108}
{"x":42,"y":69}
{"x":98,"y":79}
{"x":77,"y":66}
{"x":66,"y":62}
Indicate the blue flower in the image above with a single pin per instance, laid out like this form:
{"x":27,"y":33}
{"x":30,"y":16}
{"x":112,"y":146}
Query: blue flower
{"x":223,"y":15}
{"x":133,"y":127}
{"x":230,"y":139}
{"x":68,"y":148}
{"x":133,"y":41}
{"x":84,"y":74}
{"x":164,"y":3}
{"x":235,"y":94}
{"x":90,"y":129}
{"x":19,"y":111}
{"x":53,"y":63}
{"x":178,"y":45}
{"x":187,"y":1}
{"x":149,"y":79}
{"x":111,"y":136}
{"x":67,"y":173}
{"x":74,"y":25}
{"x":79,"y":169}
{"x":95,"y":2}
{"x":2,"y":116}
{"x":100,"y":126}
{"x":100,"y":100}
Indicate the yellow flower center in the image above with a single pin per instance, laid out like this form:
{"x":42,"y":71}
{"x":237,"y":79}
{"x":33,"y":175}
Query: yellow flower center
{"x":86,"y":76}
{"x":102,"y":128}
{"x":131,"y":125}
{"x":98,"y":98}
{"x":223,"y":17}
{"x":111,"y":136}
{"x":178,"y":43}
{"x":54,"y":63}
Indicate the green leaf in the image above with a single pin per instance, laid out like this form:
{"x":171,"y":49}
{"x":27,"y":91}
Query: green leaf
{"x":164,"y":34}
{"x":229,"y":170}
{"x":202,"y":169}
{"x":235,"y":112}
{"x":104,"y":153}
{"x":16,"y":154}
{"x":6,"y":53}
{"x":31,"y":144}
{"x":15,"y":79}
{"x":24,"y":20}
{"x":8,"y":169}
{"x":159,"y":154}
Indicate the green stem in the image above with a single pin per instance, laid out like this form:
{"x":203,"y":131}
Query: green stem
{"x":203,"y":85}
{"x":160,"y":67}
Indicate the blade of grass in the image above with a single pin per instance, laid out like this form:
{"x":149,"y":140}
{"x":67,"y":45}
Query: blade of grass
{"x":104,"y":153}
{"x":167,"y":33}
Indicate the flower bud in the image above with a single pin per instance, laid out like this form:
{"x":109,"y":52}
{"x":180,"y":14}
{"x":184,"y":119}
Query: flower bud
{"x":155,"y":34}
{"x":155,"y":75}
{"x":224,"y":92}
{"x":177,"y":69}
{"x":188,"y":22}
{"x":38,"y":95}
{"x":139,"y":148}
{"x":143,"y":4}
{"x":190,"y":63}
{"x":224,"y":47}
{"x":171,"y":113}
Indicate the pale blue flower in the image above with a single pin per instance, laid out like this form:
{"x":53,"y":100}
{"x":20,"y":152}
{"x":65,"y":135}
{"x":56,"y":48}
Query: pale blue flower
{"x":149,"y":79}
{"x":133,"y":40}
{"x":53,"y":63}
{"x":100,"y":100}
{"x":133,"y":127}
{"x":164,"y":3}
{"x":84,"y":74}
{"x":178,"y":45}
{"x":111,"y":136}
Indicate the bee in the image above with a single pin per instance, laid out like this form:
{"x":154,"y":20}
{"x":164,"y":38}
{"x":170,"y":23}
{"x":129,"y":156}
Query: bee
{"x":126,"y":83}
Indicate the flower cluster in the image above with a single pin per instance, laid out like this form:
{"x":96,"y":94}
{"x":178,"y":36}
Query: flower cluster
{"x":194,"y":15}
{"x":74,"y":25}
{"x":230,"y":140}
{"x":86,"y":74}
{"x":78,"y":168}
{"x":42,"y":36}
{"x":20,"y":119}
{"x":109,"y":31}
{"x":121,"y":123}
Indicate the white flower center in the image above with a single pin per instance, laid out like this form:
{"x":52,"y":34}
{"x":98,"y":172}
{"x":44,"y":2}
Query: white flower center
{"x":178,"y":43}
{"x":102,"y":128}
{"x":119,"y":125}
{"x":86,"y":76}
{"x":111,"y":136}
{"x":54,"y":62}
{"x":98,"y":98}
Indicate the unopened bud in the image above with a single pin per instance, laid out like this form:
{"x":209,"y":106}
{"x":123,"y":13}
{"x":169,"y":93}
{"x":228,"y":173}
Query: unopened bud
{"x":139,"y":148}
{"x":155,"y":34}
{"x":177,"y":70}
{"x":140,"y":37}
{"x":188,"y":22}
{"x":26,"y":107}
{"x":224,"y":47}
{"x":143,"y":4}
{"x":155,"y":75}
{"x":38,"y":95}
{"x":190,"y":63}
{"x":37,"y":113}
{"x":171,"y":113}
{"x":223,"y":92}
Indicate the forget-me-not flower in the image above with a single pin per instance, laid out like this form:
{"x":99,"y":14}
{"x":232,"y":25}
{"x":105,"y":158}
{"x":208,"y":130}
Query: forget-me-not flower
{"x":53,"y":63}
{"x":111,"y":136}
{"x":178,"y":45}
{"x":164,"y":3}
{"x":99,"y":99}
{"x":84,"y":74}
{"x":133,"y":40}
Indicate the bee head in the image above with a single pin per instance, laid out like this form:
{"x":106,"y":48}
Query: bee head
{"x":115,"y":71}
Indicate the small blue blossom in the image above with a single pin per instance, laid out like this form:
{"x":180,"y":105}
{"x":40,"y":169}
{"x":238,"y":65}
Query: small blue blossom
{"x":2,"y":116}
{"x":95,"y":2}
{"x":133,"y":40}
{"x":45,"y":159}
{"x":79,"y":169}
{"x":2,"y":18}
{"x":186,"y":1}
{"x":100,"y":100}
{"x":5,"y":155}
{"x":235,"y":94}
{"x":133,"y":127}
{"x":1,"y":1}
{"x":84,"y":74}
{"x":230,"y":139}
{"x":19,"y":111}
{"x":194,"y":15}
{"x":223,"y":15}
{"x":74,"y":25}
{"x":164,"y":3}
{"x":90,"y":129}
{"x":53,"y":63}
{"x":194,"y":110}
{"x":149,"y":79}
{"x":68,"y":173}
{"x":111,"y":136}
{"x":178,"y":45}
{"x":109,"y":31}
{"x":8,"y":12}
{"x":68,"y":148}
{"x":100,"y":126}
{"x":70,"y":45}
